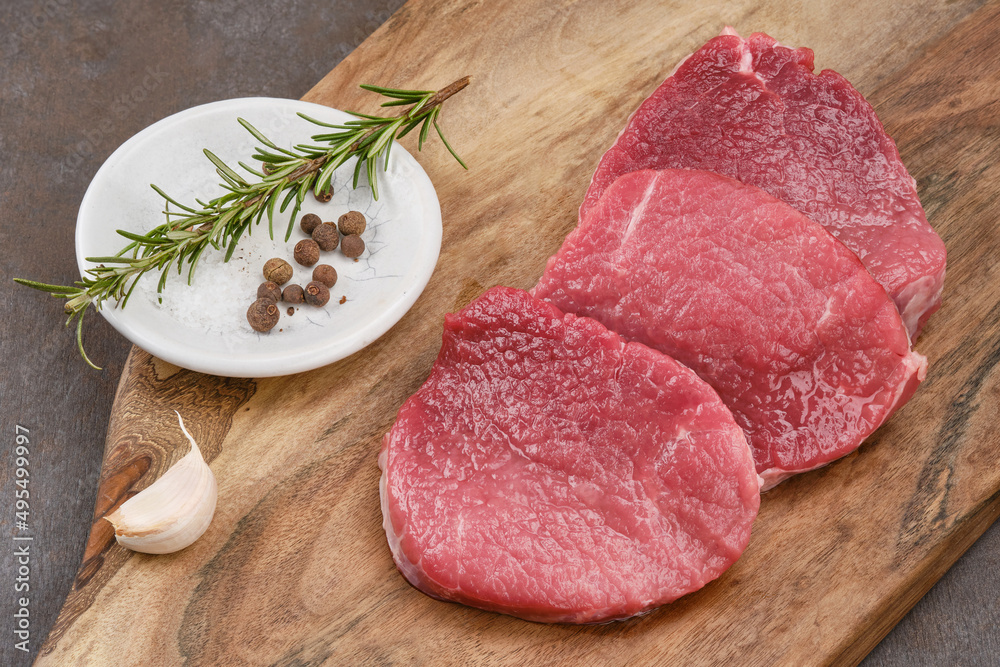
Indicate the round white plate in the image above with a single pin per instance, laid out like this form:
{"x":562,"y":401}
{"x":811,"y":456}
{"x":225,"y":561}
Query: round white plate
{"x":203,"y":326}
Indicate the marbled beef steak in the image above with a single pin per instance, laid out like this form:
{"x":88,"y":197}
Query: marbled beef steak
{"x":551,"y":471}
{"x":778,"y":316}
{"x":753,"y":110}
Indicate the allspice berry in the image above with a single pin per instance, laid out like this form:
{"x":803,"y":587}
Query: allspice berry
{"x":326,"y":274}
{"x":293,"y":294}
{"x":263,"y":315}
{"x":352,"y":222}
{"x":306,"y":252}
{"x":325,"y":195}
{"x":317,"y":294}
{"x":326,"y":236}
{"x":270,"y":291}
{"x":352,"y":246}
{"x":277,"y":271}
{"x":309,"y":222}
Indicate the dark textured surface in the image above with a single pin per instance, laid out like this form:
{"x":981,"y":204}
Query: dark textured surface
{"x":77,"y":79}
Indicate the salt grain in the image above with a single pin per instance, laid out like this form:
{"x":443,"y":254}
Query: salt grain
{"x":217,"y":299}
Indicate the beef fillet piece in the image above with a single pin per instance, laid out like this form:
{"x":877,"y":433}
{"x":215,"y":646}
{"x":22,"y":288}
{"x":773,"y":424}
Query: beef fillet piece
{"x":753,"y":110}
{"x":778,"y":316}
{"x":549,"y":470}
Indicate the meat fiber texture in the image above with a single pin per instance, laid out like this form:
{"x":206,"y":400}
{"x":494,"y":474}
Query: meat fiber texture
{"x":753,"y":110}
{"x":778,"y":316}
{"x":551,"y":471}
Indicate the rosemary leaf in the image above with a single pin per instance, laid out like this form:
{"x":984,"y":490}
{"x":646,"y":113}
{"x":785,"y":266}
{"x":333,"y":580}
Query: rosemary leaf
{"x":223,"y":170}
{"x":43,"y":287}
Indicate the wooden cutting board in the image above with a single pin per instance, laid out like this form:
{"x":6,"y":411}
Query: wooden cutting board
{"x":295,"y":568}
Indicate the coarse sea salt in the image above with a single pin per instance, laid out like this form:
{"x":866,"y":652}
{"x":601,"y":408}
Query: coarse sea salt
{"x":220,"y":292}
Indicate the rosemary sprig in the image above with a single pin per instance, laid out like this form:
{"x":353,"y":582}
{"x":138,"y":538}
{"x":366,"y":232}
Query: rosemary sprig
{"x":289,"y":175}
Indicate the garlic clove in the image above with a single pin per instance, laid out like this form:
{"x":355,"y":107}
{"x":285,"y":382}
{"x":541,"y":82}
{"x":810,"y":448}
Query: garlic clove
{"x":172,"y":512}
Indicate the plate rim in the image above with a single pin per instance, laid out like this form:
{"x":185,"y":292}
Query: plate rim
{"x":288,"y":362}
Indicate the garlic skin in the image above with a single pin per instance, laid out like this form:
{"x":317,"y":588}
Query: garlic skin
{"x":173,"y":511}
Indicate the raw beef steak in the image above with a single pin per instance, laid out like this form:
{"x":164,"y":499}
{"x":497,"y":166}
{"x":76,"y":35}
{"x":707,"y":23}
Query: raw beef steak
{"x":753,"y":110}
{"x":550,"y":471}
{"x":778,"y":316}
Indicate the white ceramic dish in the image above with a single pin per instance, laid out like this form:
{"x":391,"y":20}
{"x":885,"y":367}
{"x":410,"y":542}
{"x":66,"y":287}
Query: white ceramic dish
{"x":203,"y":327}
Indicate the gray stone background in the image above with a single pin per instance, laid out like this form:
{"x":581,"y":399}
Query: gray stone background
{"x":79,"y":78}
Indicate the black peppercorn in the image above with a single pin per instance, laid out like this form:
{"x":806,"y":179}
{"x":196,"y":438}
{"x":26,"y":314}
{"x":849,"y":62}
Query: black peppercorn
{"x":326,"y":236}
{"x":263,"y":315}
{"x":325,"y":195}
{"x":277,"y":271}
{"x":352,"y":222}
{"x":306,"y":252}
{"x":317,"y":294}
{"x":352,"y":246}
{"x":293,"y":294}
{"x":269,"y":290}
{"x":309,"y":222}
{"x":325,"y":274}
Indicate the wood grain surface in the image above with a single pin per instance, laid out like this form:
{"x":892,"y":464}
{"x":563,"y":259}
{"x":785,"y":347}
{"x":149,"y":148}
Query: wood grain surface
{"x":295,"y":569}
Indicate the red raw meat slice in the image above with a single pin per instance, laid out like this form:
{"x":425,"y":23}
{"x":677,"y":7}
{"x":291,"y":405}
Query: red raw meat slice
{"x":778,"y":316}
{"x":753,"y":110}
{"x":551,"y":471}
